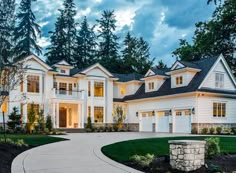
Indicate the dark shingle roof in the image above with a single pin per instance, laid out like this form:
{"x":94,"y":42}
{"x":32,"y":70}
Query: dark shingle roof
{"x":158,"y":71}
{"x":75,"y":71}
{"x":204,"y":64}
{"x":127,"y":77}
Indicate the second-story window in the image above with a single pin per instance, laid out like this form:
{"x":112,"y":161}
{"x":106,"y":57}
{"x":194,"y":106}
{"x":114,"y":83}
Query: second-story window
{"x":219,"y":80}
{"x":70,"y":88}
{"x":179,"y":80}
{"x":62,"y":88}
{"x":151,"y":85}
{"x":98,"y":89}
{"x":33,"y":84}
{"x":63,"y":71}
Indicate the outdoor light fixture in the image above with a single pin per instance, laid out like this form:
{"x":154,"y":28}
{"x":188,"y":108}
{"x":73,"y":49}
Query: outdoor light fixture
{"x":4,"y":109}
{"x":170,"y":112}
{"x":153,"y":113}
{"x":193,"y":110}
{"x":136,"y":114}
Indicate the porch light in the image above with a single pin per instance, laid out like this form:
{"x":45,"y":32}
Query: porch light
{"x":170,"y":112}
{"x":193,"y":110}
{"x":4,"y":107}
{"x":136,"y":114}
{"x":153,"y":113}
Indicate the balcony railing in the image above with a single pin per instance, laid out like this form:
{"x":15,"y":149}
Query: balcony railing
{"x":67,"y":94}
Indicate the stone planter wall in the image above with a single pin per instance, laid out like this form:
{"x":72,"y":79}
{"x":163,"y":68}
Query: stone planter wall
{"x":187,"y":155}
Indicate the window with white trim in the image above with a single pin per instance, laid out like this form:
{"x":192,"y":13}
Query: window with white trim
{"x":179,"y":80}
{"x":219,"y":109}
{"x":219,"y":80}
{"x":151,"y":85}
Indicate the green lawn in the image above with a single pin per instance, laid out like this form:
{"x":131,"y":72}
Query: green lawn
{"x":122,"y":151}
{"x":34,"y":140}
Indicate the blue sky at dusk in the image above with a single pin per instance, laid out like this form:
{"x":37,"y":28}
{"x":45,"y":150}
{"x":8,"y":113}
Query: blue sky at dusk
{"x":160,"y":22}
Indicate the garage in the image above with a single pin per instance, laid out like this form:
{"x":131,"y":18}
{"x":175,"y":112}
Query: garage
{"x":162,"y":124}
{"x":146,"y":122}
{"x":183,"y":121}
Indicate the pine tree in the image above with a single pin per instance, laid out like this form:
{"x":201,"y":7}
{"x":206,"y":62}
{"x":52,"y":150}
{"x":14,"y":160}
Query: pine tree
{"x":7,"y":22}
{"x":85,"y":51}
{"x":161,"y":65}
{"x":14,"y":120}
{"x":108,"y":46}
{"x":26,"y":31}
{"x":63,"y":39}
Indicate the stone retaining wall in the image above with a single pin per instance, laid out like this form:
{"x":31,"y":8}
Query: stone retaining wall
{"x":187,"y":155}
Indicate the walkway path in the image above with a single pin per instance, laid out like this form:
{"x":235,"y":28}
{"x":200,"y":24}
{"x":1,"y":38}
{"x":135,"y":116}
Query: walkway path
{"x":81,"y":154}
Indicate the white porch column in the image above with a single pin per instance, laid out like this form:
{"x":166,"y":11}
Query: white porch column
{"x":156,"y":120}
{"x":79,"y":115}
{"x":25,"y":113}
{"x":92,"y":101}
{"x":82,"y":116}
{"x":54,"y":114}
{"x":57,"y":115}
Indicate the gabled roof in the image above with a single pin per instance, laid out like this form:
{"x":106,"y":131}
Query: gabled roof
{"x":184,"y":64}
{"x":127,"y":77}
{"x":204,"y":64}
{"x":39,"y":60}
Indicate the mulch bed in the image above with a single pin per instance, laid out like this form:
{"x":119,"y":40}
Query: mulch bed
{"x":7,"y":154}
{"x":225,"y":163}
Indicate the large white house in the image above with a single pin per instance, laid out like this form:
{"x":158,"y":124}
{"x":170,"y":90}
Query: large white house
{"x":186,"y":96}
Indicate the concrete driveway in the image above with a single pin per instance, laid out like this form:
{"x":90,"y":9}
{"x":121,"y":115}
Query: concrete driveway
{"x":81,"y":154}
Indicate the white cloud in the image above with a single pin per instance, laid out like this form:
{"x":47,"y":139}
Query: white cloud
{"x":82,"y":13}
{"x":125,"y":17}
{"x":98,"y":1}
{"x":43,"y":42}
{"x":42,"y":24}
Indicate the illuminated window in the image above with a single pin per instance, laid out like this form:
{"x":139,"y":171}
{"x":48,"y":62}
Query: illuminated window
{"x":163,"y":113}
{"x":122,"y":91}
{"x":151,"y":85}
{"x":187,"y":112}
{"x":179,"y":80}
{"x":178,"y":113}
{"x":98,"y":89}
{"x":219,"y":80}
{"x":33,"y":84}
{"x":219,"y":109}
{"x":98,"y":114}
{"x":70,"y":89}
{"x":62,"y":88}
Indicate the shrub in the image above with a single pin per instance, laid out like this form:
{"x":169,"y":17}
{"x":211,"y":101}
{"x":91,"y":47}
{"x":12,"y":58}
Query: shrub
{"x":194,"y":130}
{"x":212,"y":147}
{"x":204,"y":130}
{"x":233,"y":129}
{"x":115,"y":128}
{"x":119,"y":117}
{"x":49,"y":123}
{"x":218,"y":130}
{"x":89,"y":123}
{"x":19,"y":142}
{"x":212,"y":130}
{"x":143,"y":161}
{"x":31,"y":118}
{"x":14,"y":120}
{"x":227,"y":131}
{"x":46,"y":130}
{"x":41,"y":121}
{"x":214,"y":168}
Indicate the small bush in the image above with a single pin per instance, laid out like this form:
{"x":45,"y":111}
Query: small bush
{"x":227,"y":131}
{"x":115,"y":128}
{"x":218,"y":130}
{"x":89,"y":123}
{"x":214,"y":168}
{"x":194,"y":130}
{"x":19,"y":142}
{"x":233,"y":129}
{"x":143,"y":161}
{"x":49,"y":123}
{"x":212,"y":147}
{"x":204,"y":130}
{"x":212,"y":130}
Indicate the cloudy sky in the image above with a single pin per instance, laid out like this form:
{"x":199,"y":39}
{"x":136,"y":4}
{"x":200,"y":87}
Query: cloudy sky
{"x":161,"y":22}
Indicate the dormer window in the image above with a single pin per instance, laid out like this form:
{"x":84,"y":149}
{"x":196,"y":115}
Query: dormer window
{"x":63,"y":71}
{"x":219,"y":80}
{"x":179,"y":80}
{"x":151,"y":85}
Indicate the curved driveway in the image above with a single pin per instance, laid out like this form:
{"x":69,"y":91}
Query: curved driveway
{"x":81,"y":154}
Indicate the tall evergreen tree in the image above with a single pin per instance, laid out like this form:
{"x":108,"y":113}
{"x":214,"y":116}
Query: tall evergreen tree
{"x":63,"y":39}
{"x":213,"y":37}
{"x":7,"y":22}
{"x":85,"y":51}
{"x":108,"y":45}
{"x":161,"y":65}
{"x":26,"y":31}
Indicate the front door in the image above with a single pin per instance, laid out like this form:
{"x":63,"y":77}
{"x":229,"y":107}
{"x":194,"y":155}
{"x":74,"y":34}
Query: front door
{"x":62,"y":117}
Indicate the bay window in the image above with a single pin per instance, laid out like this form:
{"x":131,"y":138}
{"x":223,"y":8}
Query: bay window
{"x":98,"y":114}
{"x":98,"y":89}
{"x":33,"y":84}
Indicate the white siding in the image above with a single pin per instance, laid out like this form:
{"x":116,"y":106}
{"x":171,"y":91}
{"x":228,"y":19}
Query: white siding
{"x":157,"y":84}
{"x":210,"y":81}
{"x":187,"y":77}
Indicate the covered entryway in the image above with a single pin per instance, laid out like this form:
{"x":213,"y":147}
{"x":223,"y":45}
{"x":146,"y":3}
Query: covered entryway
{"x":162,"y":124}
{"x":146,"y":122}
{"x":182,"y":121}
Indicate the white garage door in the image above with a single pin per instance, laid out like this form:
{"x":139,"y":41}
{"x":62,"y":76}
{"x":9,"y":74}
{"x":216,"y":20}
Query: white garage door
{"x":183,"y":121}
{"x":162,"y":121}
{"x":146,"y":122}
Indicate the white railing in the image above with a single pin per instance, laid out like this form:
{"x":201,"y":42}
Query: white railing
{"x":67,"y":94}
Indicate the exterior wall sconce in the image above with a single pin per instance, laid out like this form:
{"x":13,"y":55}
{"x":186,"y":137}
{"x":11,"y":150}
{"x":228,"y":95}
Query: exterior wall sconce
{"x":193,"y":110}
{"x":136,"y":114}
{"x":153,"y":113}
{"x":170,"y":112}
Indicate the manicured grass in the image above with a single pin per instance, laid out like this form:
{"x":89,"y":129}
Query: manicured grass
{"x":34,"y":140}
{"x":122,"y":151}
